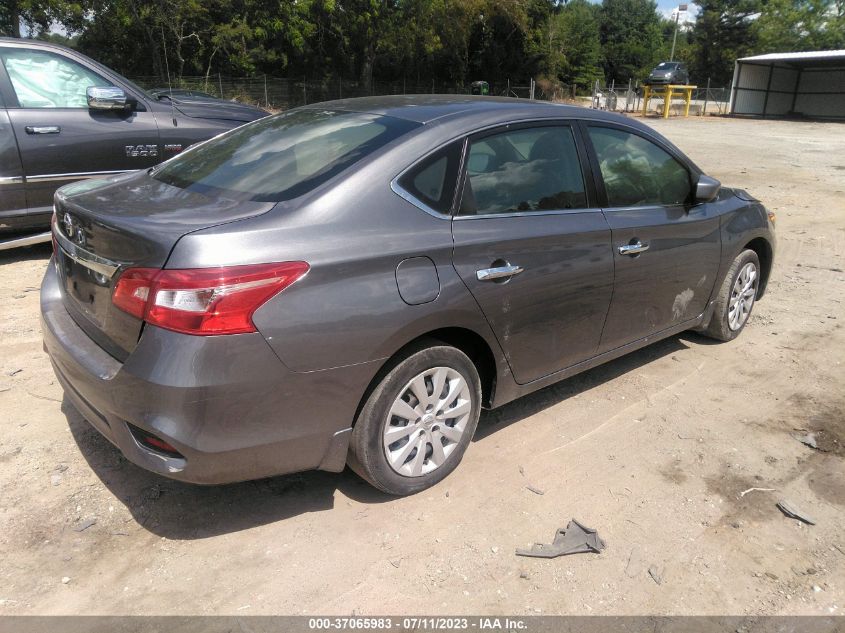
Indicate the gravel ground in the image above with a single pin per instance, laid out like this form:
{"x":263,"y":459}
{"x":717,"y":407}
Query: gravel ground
{"x":655,"y":450}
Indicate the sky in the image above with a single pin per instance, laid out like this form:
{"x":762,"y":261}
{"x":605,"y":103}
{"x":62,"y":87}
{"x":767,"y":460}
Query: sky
{"x":666,"y":7}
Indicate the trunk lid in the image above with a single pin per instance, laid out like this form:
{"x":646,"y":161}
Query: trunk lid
{"x":105,"y":226}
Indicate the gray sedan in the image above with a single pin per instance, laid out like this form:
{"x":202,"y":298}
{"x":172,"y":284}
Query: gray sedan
{"x":351,"y":282}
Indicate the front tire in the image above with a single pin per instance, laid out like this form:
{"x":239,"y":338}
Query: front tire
{"x":416,"y":424}
{"x":736,"y":298}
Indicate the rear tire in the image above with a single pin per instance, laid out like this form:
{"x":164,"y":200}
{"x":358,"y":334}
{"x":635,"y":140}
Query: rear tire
{"x":416,"y":424}
{"x":736,"y":298}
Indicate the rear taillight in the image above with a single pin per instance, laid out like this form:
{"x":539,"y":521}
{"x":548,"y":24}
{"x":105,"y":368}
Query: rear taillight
{"x":203,"y":300}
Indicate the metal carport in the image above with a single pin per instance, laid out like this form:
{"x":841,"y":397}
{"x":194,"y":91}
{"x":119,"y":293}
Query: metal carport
{"x":809,"y":84}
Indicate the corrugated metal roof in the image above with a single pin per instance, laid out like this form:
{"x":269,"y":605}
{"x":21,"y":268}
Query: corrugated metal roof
{"x":804,"y":56}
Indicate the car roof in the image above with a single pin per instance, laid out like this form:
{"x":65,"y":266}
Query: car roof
{"x":427,"y":108}
{"x":475,"y":111}
{"x":31,"y":43}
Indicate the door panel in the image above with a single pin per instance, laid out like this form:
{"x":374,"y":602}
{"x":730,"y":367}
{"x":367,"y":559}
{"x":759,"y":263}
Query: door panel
{"x":670,"y":282}
{"x":666,"y":251}
{"x":549,"y":316}
{"x":88,"y":143}
{"x":531,"y":249}
{"x":12,"y":194}
{"x":59,"y":138}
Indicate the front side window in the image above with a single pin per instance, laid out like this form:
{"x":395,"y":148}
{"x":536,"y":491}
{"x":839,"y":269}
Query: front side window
{"x":47,"y":80}
{"x":637,"y":172}
{"x":283,"y":156}
{"x":532,"y":169}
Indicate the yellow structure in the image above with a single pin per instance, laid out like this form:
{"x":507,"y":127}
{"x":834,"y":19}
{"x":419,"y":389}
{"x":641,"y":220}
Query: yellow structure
{"x":668,"y":93}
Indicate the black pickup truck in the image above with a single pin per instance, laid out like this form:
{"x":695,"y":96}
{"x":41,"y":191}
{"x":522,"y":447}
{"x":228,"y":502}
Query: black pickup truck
{"x":65,"y":117}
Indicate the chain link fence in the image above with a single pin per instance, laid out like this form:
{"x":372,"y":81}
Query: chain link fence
{"x":280,"y":93}
{"x":628,"y":98}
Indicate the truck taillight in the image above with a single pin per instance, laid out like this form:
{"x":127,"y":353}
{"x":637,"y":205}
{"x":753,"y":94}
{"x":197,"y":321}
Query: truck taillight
{"x":203,"y":301}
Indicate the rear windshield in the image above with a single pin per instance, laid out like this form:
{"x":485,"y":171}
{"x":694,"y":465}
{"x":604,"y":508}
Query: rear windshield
{"x":281,"y":157}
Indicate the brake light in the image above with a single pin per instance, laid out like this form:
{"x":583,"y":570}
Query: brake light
{"x":203,"y":300}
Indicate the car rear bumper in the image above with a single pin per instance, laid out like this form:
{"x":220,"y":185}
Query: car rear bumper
{"x":227,"y":403}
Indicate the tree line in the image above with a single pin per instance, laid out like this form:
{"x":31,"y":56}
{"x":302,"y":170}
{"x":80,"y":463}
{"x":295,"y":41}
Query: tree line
{"x":458,"y":41}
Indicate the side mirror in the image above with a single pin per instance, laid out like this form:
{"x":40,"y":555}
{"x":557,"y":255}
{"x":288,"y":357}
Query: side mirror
{"x":106,"y":98}
{"x":707,"y":189}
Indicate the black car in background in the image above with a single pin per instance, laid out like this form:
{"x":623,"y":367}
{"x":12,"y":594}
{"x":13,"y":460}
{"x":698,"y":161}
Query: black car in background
{"x":181,"y":93}
{"x":65,"y":117}
{"x":674,"y":73}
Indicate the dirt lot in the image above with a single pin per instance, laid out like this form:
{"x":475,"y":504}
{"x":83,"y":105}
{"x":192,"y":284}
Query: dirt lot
{"x":654,"y":450}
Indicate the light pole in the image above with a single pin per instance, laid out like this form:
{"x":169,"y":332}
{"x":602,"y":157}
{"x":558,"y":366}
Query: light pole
{"x":681,"y":7}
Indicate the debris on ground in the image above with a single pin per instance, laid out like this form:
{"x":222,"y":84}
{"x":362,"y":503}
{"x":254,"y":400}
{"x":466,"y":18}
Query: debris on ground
{"x":635,"y":563}
{"x":656,"y":575}
{"x":794,"y":513}
{"x":808,"y":439}
{"x":745,"y":492}
{"x":84,"y":525}
{"x":574,"y":539}
{"x":536,"y":491}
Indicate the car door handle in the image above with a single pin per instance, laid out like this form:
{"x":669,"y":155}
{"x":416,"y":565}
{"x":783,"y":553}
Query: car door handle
{"x":43,"y":129}
{"x":633,"y":249}
{"x":500,"y":272}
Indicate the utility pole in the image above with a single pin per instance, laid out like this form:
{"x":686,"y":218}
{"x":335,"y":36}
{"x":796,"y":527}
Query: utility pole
{"x":681,"y":7}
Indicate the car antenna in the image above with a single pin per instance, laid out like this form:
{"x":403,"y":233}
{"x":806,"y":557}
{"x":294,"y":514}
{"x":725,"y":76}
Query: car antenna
{"x":169,"y":84}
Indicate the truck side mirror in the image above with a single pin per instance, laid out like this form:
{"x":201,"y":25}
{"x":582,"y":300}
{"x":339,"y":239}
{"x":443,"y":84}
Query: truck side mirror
{"x":107,"y":98}
{"x":706,"y":189}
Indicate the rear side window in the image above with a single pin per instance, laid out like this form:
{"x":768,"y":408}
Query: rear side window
{"x":283,"y":156}
{"x":637,"y":172}
{"x":432,"y":182}
{"x":47,"y":80}
{"x":523,"y":170}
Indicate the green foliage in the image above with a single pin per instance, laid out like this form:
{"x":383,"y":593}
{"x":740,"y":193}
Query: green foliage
{"x":724,"y":31}
{"x":801,"y":25}
{"x":419,"y":41}
{"x":38,"y":15}
{"x":631,"y":38}
{"x":571,"y":45}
